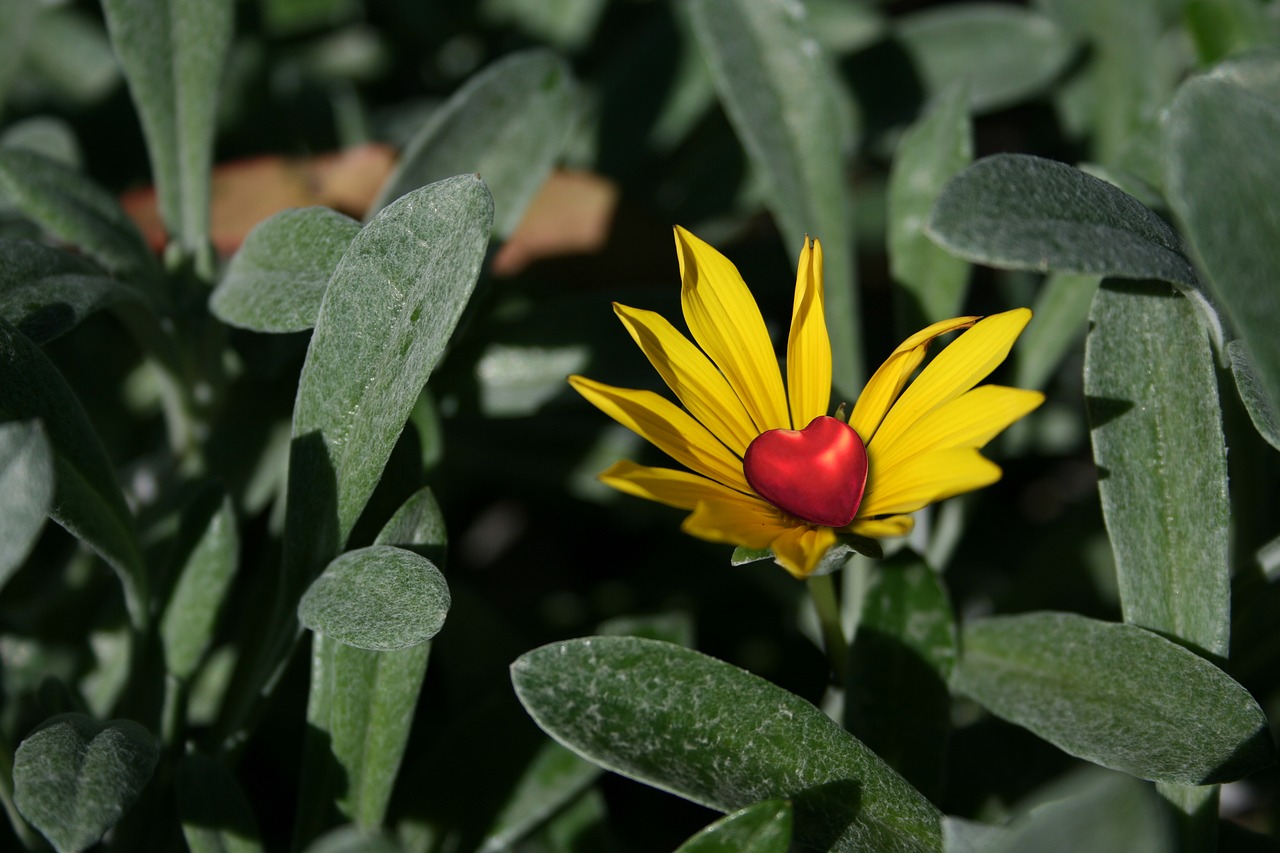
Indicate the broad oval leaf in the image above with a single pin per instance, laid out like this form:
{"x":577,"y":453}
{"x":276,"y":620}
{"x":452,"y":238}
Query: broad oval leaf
{"x":1117,"y":695}
{"x":378,"y":598}
{"x":68,"y":204}
{"x":73,"y":778}
{"x":508,"y":124}
{"x":45,"y":291}
{"x":1004,"y":54}
{"x":275,"y":283}
{"x":761,"y":828}
{"x":172,"y":53}
{"x":26,"y":491}
{"x":387,"y":314}
{"x":215,"y":814}
{"x":1152,"y":394}
{"x":87,"y":498}
{"x":1221,"y":166}
{"x":712,"y":733}
{"x":784,"y":100}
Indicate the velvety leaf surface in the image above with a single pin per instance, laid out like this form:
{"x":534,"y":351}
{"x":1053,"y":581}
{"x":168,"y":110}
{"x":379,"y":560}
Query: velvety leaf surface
{"x":275,"y":283}
{"x":68,"y":205}
{"x":781,"y":95}
{"x":26,"y":491}
{"x":387,"y":314}
{"x":379,"y":598}
{"x":901,"y":658}
{"x":931,"y":152}
{"x":208,"y":556}
{"x":87,"y":499}
{"x":1220,"y":167}
{"x":172,"y":53}
{"x":508,"y":124}
{"x":216,"y":817}
{"x":1003,"y":54}
{"x":721,"y":737}
{"x":1252,"y":394}
{"x":761,"y":828}
{"x":74,"y":777}
{"x":1152,"y":396}
{"x":418,"y":526}
{"x":1117,"y":695}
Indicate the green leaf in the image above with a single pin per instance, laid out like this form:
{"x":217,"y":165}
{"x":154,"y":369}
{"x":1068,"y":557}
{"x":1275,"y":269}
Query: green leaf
{"x":216,"y":817}
{"x":1004,"y":54}
{"x":52,"y":137}
{"x":71,"y":207}
{"x":1116,"y":695}
{"x":1061,"y":312}
{"x":379,"y":598}
{"x":26,"y":491}
{"x":275,"y":283}
{"x":1261,"y":412}
{"x":931,"y":152}
{"x":74,"y":777}
{"x":387,"y":314}
{"x":418,"y":526}
{"x":1219,"y":166}
{"x":783,"y":98}
{"x":46,"y":292}
{"x":1152,"y":395}
{"x":1018,"y":212}
{"x":553,"y":778}
{"x":564,"y":23}
{"x":508,"y":124}
{"x":353,"y":839}
{"x":1222,"y":27}
{"x":902,"y":655}
{"x":87,"y":499}
{"x":359,"y":713}
{"x":761,"y":828}
{"x":719,"y":736}
{"x":172,"y":53}
{"x":19,"y":18}
{"x":207,"y":559}
{"x":68,"y":54}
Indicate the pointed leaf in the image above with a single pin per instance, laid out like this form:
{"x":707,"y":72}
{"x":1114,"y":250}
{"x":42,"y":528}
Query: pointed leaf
{"x":897,"y":701}
{"x":74,"y":777}
{"x":1220,"y":165}
{"x":26,"y":491}
{"x":209,"y":554}
{"x":172,"y":53}
{"x":275,"y":283}
{"x":1003,"y":53}
{"x":783,"y":98}
{"x":553,"y":778}
{"x":1152,"y":393}
{"x":721,"y":737}
{"x":68,"y":205}
{"x":1116,"y":695}
{"x":508,"y":124}
{"x":380,"y":598}
{"x":931,"y":152}
{"x":87,"y":498}
{"x":762,"y":828}
{"x":215,"y":813}
{"x":387,"y":314}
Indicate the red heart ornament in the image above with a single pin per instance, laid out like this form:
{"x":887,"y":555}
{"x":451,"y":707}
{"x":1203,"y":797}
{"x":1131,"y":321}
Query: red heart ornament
{"x":817,"y":474}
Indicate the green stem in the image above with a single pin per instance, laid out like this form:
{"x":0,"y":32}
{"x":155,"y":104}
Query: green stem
{"x":1195,"y":813}
{"x":823,"y":592}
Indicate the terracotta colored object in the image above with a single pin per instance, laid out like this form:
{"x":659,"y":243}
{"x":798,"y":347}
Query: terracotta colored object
{"x":816,"y":474}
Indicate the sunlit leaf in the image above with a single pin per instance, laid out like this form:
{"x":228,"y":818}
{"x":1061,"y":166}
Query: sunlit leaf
{"x":762,"y":828}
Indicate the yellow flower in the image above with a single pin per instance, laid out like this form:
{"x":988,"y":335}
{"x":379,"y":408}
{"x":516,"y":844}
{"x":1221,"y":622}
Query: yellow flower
{"x":918,"y":444}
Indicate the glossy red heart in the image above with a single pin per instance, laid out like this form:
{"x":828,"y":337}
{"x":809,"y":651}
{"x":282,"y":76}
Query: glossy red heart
{"x":817,"y":474}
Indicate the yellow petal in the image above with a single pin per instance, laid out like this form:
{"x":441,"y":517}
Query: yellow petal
{"x":667,"y":427}
{"x":925,"y":479}
{"x":878,"y":528}
{"x":691,"y":376}
{"x":964,"y":363}
{"x":809,"y":346}
{"x":970,"y":420}
{"x":738,"y":521}
{"x":799,"y":549}
{"x":886,"y":383}
{"x":679,"y":489}
{"x":724,"y":320}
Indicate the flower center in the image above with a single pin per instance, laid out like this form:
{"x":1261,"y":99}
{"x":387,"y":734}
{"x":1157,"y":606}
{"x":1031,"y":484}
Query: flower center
{"x":817,"y":474}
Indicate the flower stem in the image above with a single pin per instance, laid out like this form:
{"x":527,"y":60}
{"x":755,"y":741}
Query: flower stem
{"x":823,"y":593}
